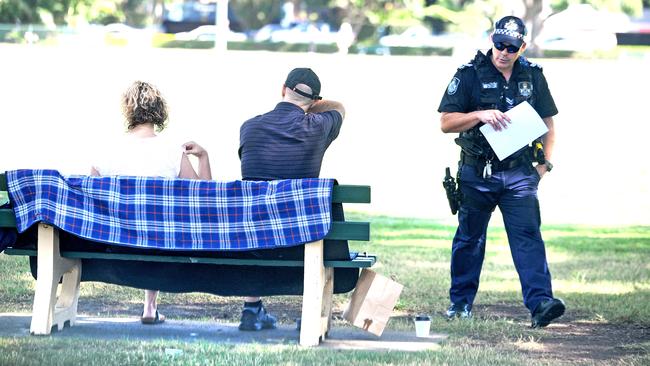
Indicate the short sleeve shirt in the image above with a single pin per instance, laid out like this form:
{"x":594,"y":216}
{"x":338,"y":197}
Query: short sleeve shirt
{"x":131,"y":155}
{"x":286,"y":143}
{"x":463,"y":91}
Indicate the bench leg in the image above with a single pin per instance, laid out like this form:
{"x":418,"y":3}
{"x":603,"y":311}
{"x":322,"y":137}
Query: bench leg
{"x":328,"y":296}
{"x":317,"y":296}
{"x":51,"y":267}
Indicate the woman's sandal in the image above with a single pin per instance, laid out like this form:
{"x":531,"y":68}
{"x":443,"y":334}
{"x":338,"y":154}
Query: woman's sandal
{"x":156,"y":320}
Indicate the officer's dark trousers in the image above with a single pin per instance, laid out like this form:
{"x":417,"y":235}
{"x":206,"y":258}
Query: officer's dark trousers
{"x":515,"y":192}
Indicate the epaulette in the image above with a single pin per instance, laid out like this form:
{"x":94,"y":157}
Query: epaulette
{"x":524,"y":61}
{"x":478,"y":59}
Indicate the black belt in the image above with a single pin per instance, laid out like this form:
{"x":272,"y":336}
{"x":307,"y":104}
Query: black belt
{"x":496,"y":165}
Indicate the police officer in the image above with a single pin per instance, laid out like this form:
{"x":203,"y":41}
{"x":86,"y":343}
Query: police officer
{"x":479,"y":93}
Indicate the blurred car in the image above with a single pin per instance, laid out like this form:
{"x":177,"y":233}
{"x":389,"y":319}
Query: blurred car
{"x":208,"y":33}
{"x":119,"y":30}
{"x":641,"y":24}
{"x":305,"y":32}
{"x":582,"y":28}
{"x":639,"y":34}
{"x":122,"y":34}
{"x":185,"y":16}
{"x":264,"y":34}
{"x":420,"y":36}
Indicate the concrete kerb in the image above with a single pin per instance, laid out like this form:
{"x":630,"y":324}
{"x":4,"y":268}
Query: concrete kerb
{"x":340,"y":338}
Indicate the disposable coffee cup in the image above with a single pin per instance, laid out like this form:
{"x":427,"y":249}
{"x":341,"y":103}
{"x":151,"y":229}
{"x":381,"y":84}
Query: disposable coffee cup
{"x":422,"y":325}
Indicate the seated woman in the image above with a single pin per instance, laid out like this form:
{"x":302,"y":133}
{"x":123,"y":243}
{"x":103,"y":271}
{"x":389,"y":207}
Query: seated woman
{"x":141,"y":152}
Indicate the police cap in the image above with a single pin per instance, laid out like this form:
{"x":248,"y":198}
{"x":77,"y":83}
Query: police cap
{"x":509,"y":29}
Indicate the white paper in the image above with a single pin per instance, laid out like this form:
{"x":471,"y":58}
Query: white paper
{"x":525,"y":126}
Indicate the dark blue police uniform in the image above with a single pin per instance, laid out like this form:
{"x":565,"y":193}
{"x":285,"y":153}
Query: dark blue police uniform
{"x":512,"y":184}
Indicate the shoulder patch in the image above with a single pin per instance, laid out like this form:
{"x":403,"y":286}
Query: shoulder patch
{"x":537,"y":66}
{"x":464,"y":66}
{"x":453,"y":86}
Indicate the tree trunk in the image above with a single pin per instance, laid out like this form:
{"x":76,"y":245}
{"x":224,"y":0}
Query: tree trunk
{"x":157,"y":11}
{"x":532,"y":17}
{"x":356,"y":18}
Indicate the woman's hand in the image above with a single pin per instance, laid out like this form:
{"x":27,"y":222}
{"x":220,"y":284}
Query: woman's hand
{"x":192,"y":148}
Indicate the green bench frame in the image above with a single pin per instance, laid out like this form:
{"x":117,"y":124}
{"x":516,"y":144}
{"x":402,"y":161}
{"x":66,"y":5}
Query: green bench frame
{"x":56,"y":266}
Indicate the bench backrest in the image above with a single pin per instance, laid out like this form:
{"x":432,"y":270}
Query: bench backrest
{"x":7,"y":218}
{"x":340,"y":230}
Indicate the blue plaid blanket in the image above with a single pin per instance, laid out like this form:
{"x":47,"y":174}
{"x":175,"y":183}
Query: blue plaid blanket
{"x":175,"y":214}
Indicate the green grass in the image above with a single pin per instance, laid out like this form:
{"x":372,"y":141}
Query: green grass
{"x":603,"y":274}
{"x":591,"y":266}
{"x":37,"y":351}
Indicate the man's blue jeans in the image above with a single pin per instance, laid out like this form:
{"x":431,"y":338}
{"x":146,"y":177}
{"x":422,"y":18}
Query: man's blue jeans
{"x":514,"y":191}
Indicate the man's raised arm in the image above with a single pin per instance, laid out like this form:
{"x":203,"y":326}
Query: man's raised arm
{"x":321,"y":106}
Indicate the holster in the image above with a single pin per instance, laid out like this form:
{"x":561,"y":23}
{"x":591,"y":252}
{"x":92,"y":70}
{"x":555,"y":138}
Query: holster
{"x":452,"y":190}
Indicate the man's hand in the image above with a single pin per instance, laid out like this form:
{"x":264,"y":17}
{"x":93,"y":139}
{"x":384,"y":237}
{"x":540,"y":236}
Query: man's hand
{"x":493,"y":117}
{"x":323,"y":105}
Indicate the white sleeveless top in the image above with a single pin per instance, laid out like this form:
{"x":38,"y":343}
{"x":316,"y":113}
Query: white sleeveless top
{"x":132,"y":155}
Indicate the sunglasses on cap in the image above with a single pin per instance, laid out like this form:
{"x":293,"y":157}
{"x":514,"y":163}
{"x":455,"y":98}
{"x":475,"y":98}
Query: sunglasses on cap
{"x":502,"y":46}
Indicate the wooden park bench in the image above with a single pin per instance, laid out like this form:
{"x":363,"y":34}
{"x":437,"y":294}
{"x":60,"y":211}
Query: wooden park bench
{"x":64,"y":267}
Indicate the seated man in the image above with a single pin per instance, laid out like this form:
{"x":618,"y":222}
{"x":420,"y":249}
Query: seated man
{"x":288,"y":142}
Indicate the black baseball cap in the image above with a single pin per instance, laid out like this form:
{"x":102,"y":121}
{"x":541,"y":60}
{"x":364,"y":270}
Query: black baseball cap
{"x":303,"y":75}
{"x":509,"y":29}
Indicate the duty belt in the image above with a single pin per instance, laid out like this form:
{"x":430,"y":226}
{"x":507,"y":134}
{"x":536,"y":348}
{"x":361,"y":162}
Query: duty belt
{"x":479,"y":163}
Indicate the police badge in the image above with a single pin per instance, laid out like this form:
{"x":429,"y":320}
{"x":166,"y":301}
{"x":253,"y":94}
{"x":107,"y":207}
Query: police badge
{"x":525,"y":88}
{"x":453,"y":86}
{"x":512,"y":26}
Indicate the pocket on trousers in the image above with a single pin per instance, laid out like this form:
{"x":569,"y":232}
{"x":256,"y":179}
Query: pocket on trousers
{"x":534,"y":172}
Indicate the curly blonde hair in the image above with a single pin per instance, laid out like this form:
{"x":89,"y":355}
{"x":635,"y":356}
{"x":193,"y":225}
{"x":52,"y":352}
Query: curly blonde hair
{"x":143,"y":103}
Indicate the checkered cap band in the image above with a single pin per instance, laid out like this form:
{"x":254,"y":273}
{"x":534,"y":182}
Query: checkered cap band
{"x":509,"y":33}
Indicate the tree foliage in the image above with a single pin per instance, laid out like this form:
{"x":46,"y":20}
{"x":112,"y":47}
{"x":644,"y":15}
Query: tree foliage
{"x":365,"y":16}
{"x":471,"y":17}
{"x":254,"y":14}
{"x":61,"y":12}
{"x":474,"y":17}
{"x":629,"y":7}
{"x":33,"y":11}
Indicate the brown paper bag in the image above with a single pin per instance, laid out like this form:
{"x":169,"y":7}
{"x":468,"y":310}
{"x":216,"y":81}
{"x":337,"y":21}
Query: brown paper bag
{"x":372,"y":302}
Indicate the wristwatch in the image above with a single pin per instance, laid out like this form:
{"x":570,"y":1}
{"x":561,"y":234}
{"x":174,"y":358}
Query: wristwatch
{"x":549,"y":166}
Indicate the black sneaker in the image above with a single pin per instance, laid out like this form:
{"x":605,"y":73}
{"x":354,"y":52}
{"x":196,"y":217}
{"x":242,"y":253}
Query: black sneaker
{"x":256,"y":319}
{"x":546,"y":312}
{"x":461,"y":310}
